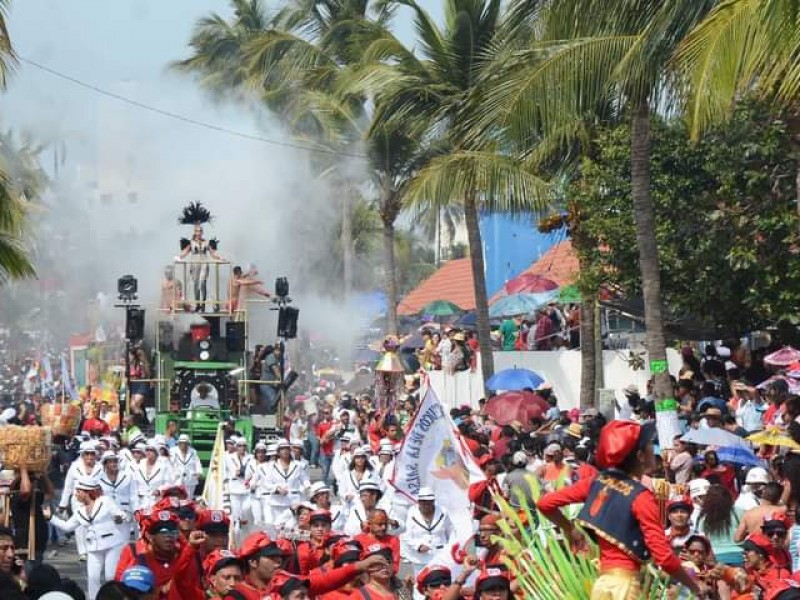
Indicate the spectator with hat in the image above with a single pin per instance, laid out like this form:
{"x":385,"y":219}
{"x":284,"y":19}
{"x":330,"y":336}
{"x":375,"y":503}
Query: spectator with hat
{"x":493,"y":583}
{"x":141,"y":581}
{"x":99,"y":517}
{"x":620,"y":511}
{"x":679,"y":511}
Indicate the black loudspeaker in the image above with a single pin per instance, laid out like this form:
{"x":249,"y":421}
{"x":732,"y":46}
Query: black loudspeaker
{"x":214,"y":330}
{"x":281,"y":287}
{"x":210,"y":350}
{"x":234,"y":336}
{"x":185,"y":347}
{"x":134,"y":324}
{"x":166,"y":341}
{"x":287,"y":322}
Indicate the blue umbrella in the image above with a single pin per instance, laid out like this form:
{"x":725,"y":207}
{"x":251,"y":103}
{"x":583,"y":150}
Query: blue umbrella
{"x":520,"y":304}
{"x":514,"y":380}
{"x":468,"y":320}
{"x":739,"y":456}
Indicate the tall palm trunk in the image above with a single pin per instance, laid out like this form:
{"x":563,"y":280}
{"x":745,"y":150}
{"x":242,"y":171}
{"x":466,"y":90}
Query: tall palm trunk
{"x":588,"y":354}
{"x":389,"y":214}
{"x":644,"y":217}
{"x":479,"y":280}
{"x":347,"y":243}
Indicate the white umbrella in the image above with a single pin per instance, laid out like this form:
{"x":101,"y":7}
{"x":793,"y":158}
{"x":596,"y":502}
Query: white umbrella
{"x":714,"y":436}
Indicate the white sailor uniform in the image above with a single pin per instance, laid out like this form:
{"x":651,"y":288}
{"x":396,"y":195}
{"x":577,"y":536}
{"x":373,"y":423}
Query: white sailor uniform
{"x":77,"y":470}
{"x":419,"y":532}
{"x":277,"y":478}
{"x":104,"y":540}
{"x":237,"y":485}
{"x":186,"y":468}
{"x":149,"y":478}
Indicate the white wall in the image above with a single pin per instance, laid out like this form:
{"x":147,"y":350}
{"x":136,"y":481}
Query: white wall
{"x":562,"y":369}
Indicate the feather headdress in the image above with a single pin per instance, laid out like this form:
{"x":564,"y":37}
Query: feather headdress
{"x":194,"y":214}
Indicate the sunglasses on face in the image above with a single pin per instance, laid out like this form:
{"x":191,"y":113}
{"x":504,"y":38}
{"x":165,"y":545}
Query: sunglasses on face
{"x":775,"y":533}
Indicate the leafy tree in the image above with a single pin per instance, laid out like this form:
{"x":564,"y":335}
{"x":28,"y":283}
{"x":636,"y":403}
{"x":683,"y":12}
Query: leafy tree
{"x":727,"y":226}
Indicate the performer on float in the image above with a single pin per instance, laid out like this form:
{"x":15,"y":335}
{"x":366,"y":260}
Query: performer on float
{"x":151,"y":473}
{"x":198,"y":250}
{"x":620,"y":512}
{"x":286,"y":482}
{"x":238,"y":486}
{"x":100,"y":517}
{"x":428,"y":530}
{"x":186,"y":464}
{"x":85,"y":465}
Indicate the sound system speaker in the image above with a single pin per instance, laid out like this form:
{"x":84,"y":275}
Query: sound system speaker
{"x":234,"y":336}
{"x":287,"y":322}
{"x":134,"y":324}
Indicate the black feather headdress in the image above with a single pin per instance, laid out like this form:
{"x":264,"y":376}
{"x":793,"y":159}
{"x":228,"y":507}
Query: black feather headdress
{"x":194,"y":214}
{"x":213,"y":243}
{"x":185,"y":243}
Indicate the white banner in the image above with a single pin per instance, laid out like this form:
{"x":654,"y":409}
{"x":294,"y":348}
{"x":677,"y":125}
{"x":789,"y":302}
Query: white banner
{"x":433,"y":455}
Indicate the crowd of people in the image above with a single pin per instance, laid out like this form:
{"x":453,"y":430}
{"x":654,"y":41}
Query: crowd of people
{"x":314,"y":513}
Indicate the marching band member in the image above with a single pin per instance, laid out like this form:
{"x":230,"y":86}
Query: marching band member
{"x":358,"y":519}
{"x":253,"y":476}
{"x":84,"y":466}
{"x":340,"y":462}
{"x":151,"y":473}
{"x":120,"y":487}
{"x":428,"y":529}
{"x":297,"y":454}
{"x":238,"y":487}
{"x":186,"y":464}
{"x":100,"y":518}
{"x":285,"y":482}
{"x":359,"y":472}
{"x":320,"y":496}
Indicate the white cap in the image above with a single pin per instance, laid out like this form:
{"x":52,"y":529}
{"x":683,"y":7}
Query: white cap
{"x":283,"y":443}
{"x":260,"y":446}
{"x":360,"y":451}
{"x":757,"y":475}
{"x":87,"y":484}
{"x":87,"y":447}
{"x":183,"y":438}
{"x":139,"y":447}
{"x":318,"y":488}
{"x":519,"y":458}
{"x":369,"y":486}
{"x":8,"y":414}
{"x":426,"y":493}
{"x":296,"y":443}
{"x":698,"y":487}
{"x":384,"y":449}
{"x":272,"y":449}
{"x":240,"y":441}
{"x":344,"y":438}
{"x":151,"y":445}
{"x":109,"y":455}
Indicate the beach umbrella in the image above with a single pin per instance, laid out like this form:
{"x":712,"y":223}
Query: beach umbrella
{"x":569,"y":294}
{"x":773,"y":437}
{"x":794,"y":384}
{"x":516,"y":406}
{"x":783,"y":357}
{"x":520,"y":304}
{"x":441,"y":308}
{"x":412,"y":342}
{"x":469,"y":320}
{"x":530,"y":284}
{"x":714,"y":436}
{"x":514,"y":379}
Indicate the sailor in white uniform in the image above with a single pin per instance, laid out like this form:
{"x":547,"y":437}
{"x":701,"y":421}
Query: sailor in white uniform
{"x":151,"y":473}
{"x":285,"y":482}
{"x":85,"y":465}
{"x":320,"y":496}
{"x":252,"y":477}
{"x":428,"y":530}
{"x":99,"y":517}
{"x":236,"y":483}
{"x":259,"y":484}
{"x":120,"y":487}
{"x":370,"y":495}
{"x":186,"y":464}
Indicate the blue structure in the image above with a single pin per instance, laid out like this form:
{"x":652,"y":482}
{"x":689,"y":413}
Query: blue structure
{"x":511,"y":244}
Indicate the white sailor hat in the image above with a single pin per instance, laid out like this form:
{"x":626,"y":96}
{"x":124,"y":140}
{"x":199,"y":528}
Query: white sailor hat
{"x":272,"y":449}
{"x":183,"y":439}
{"x":283,"y":443}
{"x":240,"y":441}
{"x":260,"y":446}
{"x":151,"y":445}
{"x":138,"y":447}
{"x":296,"y":443}
{"x":87,"y":484}
{"x":87,"y":448}
{"x":109,"y":455}
{"x":360,"y":451}
{"x":318,"y":487}
{"x":386,"y":448}
{"x":426,"y":493}
{"x":369,"y":486}
{"x":231,"y":440}
{"x":344,"y":438}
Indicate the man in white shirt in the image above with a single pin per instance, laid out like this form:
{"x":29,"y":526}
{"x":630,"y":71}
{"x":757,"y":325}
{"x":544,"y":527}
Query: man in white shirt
{"x":186,"y":464}
{"x":428,"y":530}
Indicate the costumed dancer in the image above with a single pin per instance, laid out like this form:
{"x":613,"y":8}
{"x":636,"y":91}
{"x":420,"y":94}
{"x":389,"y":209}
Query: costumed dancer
{"x":620,"y":512}
{"x":100,"y":517}
{"x":85,"y":465}
{"x":186,"y":464}
{"x":198,"y":250}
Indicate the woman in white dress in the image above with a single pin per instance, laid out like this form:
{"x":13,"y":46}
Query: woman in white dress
{"x":100,"y":518}
{"x":285,"y":482}
{"x":151,"y":473}
{"x":360,"y":471}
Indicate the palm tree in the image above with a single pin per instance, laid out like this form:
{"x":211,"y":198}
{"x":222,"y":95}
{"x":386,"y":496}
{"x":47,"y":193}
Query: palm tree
{"x":432,"y":93}
{"x":583,"y":53}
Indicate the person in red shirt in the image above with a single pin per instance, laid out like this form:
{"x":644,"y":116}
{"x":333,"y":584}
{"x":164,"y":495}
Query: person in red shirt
{"x":310,"y":554}
{"x":95,"y":426}
{"x":162,"y":555}
{"x":585,"y":470}
{"x":223,"y":571}
{"x":378,"y":525}
{"x":344,"y":552}
{"x":263,"y":558}
{"x":481,"y":493}
{"x":326,"y":442}
{"x":211,"y":535}
{"x":620,"y":512}
{"x":380,"y":584}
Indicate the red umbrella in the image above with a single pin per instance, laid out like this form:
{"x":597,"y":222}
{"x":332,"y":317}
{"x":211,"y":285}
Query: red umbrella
{"x":530,"y":283}
{"x":783,"y":357}
{"x":516,"y":406}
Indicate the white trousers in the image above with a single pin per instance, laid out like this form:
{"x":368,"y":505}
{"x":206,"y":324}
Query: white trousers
{"x":100,"y":567}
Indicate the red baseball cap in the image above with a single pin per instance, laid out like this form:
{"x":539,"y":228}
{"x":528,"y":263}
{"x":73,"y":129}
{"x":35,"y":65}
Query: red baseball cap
{"x":681,"y":502}
{"x":162,"y":521}
{"x":345,"y":551}
{"x":619,"y":438}
{"x":219,"y":559}
{"x":434,"y":575}
{"x":259,"y":543}
{"x":213,"y":521}
{"x":285,"y":583}
{"x":492,"y":578}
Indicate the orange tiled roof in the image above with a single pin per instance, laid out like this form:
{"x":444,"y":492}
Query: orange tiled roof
{"x":453,"y":282}
{"x":559,"y":264}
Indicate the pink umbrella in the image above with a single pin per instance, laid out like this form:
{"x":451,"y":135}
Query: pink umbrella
{"x":516,"y":406}
{"x":783,"y":357}
{"x":530,"y":284}
{"x":794,"y":385}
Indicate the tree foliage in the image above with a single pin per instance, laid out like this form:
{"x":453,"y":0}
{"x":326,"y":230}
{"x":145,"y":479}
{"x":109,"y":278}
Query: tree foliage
{"x":727,"y":222}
